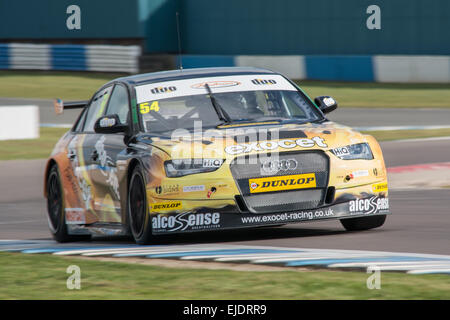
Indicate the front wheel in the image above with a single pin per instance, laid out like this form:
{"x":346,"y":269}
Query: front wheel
{"x":55,"y":209}
{"x":364,"y":223}
{"x":138,"y":215}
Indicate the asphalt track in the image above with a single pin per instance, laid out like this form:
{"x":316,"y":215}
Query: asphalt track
{"x":420,"y":221}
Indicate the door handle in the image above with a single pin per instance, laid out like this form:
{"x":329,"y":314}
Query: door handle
{"x":94,"y":155}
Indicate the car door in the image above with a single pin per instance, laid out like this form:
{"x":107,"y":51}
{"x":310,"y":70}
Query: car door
{"x":80,"y":151}
{"x":102,"y":151}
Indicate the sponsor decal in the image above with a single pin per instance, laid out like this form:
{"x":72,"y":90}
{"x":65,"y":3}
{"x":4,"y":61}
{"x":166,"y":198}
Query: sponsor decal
{"x":219,"y":84}
{"x":186,"y":220}
{"x":273,"y":166}
{"x":211,"y":192}
{"x":107,"y":166}
{"x":341,"y":151}
{"x":86,"y":194}
{"x":254,"y":185}
{"x":380,"y":187}
{"x":165,"y":206}
{"x":165,"y":189}
{"x":360,"y":173}
{"x":75,"y":154}
{"x":375,"y":172}
{"x":215,"y":84}
{"x":75,"y":216}
{"x":107,"y":122}
{"x":70,"y":178}
{"x":329,"y":101}
{"x":194,"y":188}
{"x":263,"y":81}
{"x":163,"y":89}
{"x":271,"y":145}
{"x":368,"y":206}
{"x":212,"y":163}
{"x":289,"y":216}
{"x":290,"y":182}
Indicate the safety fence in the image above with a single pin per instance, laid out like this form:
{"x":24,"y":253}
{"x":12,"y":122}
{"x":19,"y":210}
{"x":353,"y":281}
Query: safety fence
{"x":378,"y":68}
{"x":114,"y":58}
{"x":117,"y":58}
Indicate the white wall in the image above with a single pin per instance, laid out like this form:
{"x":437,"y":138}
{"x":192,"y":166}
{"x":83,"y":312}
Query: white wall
{"x":412,"y":68}
{"x":19,"y":122}
{"x":291,"y":66}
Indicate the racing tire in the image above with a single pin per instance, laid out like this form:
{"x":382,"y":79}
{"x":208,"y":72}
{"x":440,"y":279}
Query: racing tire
{"x":364,"y":223}
{"x":137,"y":207}
{"x":55,"y":209}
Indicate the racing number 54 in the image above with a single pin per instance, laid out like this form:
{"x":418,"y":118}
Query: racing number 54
{"x":146,"y":107}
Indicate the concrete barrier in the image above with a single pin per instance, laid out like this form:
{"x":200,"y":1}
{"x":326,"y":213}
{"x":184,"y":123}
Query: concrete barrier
{"x":412,"y":68}
{"x":109,"y":58}
{"x":116,"y":58}
{"x":364,"y":68}
{"x":291,"y":66}
{"x":19,"y":122}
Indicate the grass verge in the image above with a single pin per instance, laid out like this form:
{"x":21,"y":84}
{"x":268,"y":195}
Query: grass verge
{"x":381,"y":95}
{"x":42,"y":147}
{"x":81,"y":85}
{"x":408,"y":134}
{"x":31,"y":148}
{"x":51,"y":85}
{"x":44,"y":277}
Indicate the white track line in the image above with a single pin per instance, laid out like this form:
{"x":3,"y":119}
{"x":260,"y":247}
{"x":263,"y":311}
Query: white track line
{"x":318,"y":257}
{"x":414,"y":267}
{"x":150,"y":250}
{"x":276,"y":256}
{"x":225,"y":258}
{"x":133,"y":250}
{"x":387,"y":263}
{"x":419,"y":139}
{"x":426,"y":271}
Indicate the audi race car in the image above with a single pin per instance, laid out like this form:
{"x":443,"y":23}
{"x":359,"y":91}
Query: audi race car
{"x":209,"y":149}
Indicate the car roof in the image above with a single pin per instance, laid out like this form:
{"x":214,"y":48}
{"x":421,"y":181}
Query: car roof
{"x":139,"y":79}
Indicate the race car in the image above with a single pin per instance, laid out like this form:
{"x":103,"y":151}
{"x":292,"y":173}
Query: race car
{"x":209,"y":149}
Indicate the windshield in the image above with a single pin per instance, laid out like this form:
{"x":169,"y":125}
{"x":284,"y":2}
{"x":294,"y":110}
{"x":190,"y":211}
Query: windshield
{"x":178,"y":104}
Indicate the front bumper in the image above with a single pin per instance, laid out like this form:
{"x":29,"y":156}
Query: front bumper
{"x":221,"y":219}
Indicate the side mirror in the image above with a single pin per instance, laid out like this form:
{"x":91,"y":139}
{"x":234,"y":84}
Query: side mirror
{"x":109,"y":124}
{"x":326,"y":103}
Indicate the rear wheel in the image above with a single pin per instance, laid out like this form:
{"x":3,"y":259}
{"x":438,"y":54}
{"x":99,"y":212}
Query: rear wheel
{"x":55,"y":209}
{"x":138,"y":215}
{"x":364,"y":223}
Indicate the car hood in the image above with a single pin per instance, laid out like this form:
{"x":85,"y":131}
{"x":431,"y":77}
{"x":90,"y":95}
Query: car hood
{"x":235,"y":140}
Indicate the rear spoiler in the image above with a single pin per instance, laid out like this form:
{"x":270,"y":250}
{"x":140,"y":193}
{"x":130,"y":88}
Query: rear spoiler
{"x":61,"y":105}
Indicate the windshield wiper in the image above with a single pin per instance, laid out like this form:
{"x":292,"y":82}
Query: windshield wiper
{"x":223,"y":116}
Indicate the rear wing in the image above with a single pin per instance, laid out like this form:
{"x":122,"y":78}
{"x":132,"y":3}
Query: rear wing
{"x":61,"y":105}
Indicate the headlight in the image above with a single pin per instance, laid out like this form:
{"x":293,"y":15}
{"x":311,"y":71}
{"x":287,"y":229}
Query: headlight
{"x":183,"y":167}
{"x":354,"y":152}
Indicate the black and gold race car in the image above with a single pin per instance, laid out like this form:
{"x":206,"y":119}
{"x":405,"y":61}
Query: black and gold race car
{"x":209,"y":149}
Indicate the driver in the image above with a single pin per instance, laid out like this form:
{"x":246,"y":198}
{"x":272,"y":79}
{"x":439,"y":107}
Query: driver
{"x":243,"y":103}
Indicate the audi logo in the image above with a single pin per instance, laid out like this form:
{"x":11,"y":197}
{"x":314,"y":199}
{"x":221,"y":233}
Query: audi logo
{"x":272,"y":166}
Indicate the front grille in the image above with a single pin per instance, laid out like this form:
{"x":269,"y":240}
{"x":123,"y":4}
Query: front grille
{"x":250,"y":167}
